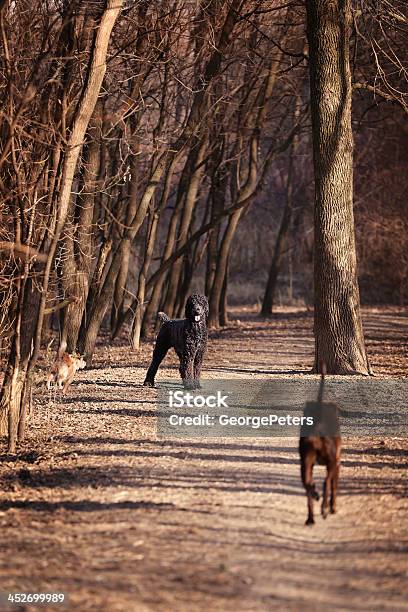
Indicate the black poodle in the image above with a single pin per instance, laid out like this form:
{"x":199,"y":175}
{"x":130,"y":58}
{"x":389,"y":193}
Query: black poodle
{"x":188,"y":337}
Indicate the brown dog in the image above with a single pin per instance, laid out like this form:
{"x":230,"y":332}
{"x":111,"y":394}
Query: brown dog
{"x":64,"y":369}
{"x":321,"y":443}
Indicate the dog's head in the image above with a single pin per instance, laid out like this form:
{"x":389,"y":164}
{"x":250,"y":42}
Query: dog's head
{"x":79,"y":362}
{"x":197,"y":308}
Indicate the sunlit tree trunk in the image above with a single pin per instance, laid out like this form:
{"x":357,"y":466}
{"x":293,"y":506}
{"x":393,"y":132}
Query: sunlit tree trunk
{"x":78,"y":240}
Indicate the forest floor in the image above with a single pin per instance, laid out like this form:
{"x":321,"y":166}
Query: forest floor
{"x":96,"y":506}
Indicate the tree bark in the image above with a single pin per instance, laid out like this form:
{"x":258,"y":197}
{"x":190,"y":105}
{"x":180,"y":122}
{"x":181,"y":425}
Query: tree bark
{"x":86,"y":108}
{"x":193,"y":173}
{"x":217,"y":198}
{"x":153,"y":305}
{"x":223,"y":316}
{"x":219,"y":277}
{"x":141,"y":288}
{"x":339,"y":339}
{"x":121,"y":280}
{"x":78,"y":241}
{"x":283,"y":233}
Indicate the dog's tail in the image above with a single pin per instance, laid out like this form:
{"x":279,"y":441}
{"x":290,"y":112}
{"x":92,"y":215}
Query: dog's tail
{"x":163,"y":317}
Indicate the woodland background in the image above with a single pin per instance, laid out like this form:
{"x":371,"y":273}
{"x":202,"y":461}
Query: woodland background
{"x":150,"y":149}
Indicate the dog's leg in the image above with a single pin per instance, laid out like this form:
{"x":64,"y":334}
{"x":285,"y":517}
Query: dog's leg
{"x":187,"y":369}
{"x":198,"y":363}
{"x":334,"y":483}
{"x":307,"y":464}
{"x":68,"y":381}
{"x":159,"y":353}
{"x":326,"y":488}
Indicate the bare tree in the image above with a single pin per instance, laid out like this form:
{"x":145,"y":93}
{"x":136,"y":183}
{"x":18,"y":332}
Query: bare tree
{"x":339,"y":339}
{"x":30,"y":307}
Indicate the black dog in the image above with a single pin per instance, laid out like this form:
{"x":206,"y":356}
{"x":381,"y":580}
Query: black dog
{"x":188,"y":337}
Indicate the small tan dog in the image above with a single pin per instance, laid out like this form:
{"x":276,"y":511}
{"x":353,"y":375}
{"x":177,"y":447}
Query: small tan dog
{"x":64,"y":369}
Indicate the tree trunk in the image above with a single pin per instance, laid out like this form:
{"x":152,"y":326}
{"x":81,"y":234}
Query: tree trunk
{"x":153,"y":305}
{"x":120,"y":284}
{"x":223,"y":300}
{"x":94,"y":289}
{"x":283,"y":233}
{"x":16,"y":379}
{"x":245,"y":192}
{"x":141,"y":288}
{"x":216,"y":290}
{"x":339,"y":340}
{"x":281,"y":241}
{"x":193,"y":173}
{"x":78,"y":240}
{"x":192,"y":262}
{"x":219,"y":182}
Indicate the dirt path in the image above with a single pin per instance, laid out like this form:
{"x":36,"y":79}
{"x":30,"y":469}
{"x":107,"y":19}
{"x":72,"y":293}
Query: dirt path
{"x":119,"y":520}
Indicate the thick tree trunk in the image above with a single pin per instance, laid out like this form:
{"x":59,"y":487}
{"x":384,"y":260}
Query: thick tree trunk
{"x":15,"y":379}
{"x":339,"y":340}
